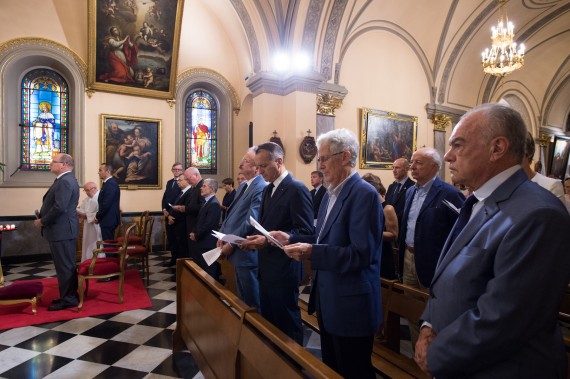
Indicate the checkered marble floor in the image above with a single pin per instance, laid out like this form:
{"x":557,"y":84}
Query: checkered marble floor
{"x":132,"y":344}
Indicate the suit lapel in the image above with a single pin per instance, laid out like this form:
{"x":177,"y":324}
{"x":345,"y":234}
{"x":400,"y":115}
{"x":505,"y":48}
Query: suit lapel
{"x":431,"y":195}
{"x":337,"y":206}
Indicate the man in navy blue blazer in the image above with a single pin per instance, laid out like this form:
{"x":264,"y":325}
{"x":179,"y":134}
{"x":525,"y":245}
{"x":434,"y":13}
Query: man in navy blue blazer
{"x":498,"y":285}
{"x":57,"y":219}
{"x":177,"y":221}
{"x":208,"y":218}
{"x":396,"y":193}
{"x":191,"y":208}
{"x":171,"y":193}
{"x":286,"y":206}
{"x":246,"y":204}
{"x":428,"y":217}
{"x":109,"y":214}
{"x":345,"y":258}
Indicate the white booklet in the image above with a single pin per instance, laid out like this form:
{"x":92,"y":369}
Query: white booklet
{"x":229,"y":238}
{"x":262,"y":230}
{"x":212,"y":255}
{"x":451,"y":206}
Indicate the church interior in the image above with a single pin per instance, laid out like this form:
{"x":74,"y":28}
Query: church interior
{"x":286,"y":70}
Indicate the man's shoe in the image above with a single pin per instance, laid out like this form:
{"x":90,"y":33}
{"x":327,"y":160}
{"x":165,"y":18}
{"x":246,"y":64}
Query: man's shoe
{"x":104,"y":280}
{"x":60,"y":307}
{"x":56,"y":301}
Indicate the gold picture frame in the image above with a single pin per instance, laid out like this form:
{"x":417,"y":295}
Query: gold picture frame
{"x":133,"y":46}
{"x":386,"y":136}
{"x":132,"y":146}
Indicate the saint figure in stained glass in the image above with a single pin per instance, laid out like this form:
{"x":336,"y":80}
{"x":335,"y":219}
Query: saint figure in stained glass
{"x":201,"y":132}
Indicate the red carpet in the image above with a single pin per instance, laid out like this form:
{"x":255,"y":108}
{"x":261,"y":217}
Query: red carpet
{"x":103,"y":298}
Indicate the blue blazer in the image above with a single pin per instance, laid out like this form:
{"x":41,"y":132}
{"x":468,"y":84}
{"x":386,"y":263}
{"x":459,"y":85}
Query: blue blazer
{"x":290,"y":210}
{"x":109,"y":213}
{"x":193,"y":203}
{"x":171,"y":193}
{"x":398,"y":200}
{"x":208,"y":218}
{"x":58,"y":212}
{"x":433,"y":225}
{"x":346,"y":261}
{"x":237,"y":221}
{"x":497,"y":289}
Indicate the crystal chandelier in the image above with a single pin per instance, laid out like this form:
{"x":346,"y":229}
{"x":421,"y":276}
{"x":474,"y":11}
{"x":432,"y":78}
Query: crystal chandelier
{"x":503,"y":57}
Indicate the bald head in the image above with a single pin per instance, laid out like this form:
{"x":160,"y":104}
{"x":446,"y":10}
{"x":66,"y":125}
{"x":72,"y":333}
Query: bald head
{"x":400,"y":169}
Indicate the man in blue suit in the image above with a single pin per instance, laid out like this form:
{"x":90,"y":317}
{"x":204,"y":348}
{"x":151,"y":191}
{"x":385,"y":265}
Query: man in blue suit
{"x":499,"y":283}
{"x":426,"y":223}
{"x":396,"y":194}
{"x":109,"y":214}
{"x":177,"y":221}
{"x":246,"y":205}
{"x":208,"y":218}
{"x":285,"y":206}
{"x":345,"y":259}
{"x":57,"y":219}
{"x":171,"y":193}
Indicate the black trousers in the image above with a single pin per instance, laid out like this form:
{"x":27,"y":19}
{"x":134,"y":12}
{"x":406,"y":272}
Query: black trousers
{"x":63,"y":253}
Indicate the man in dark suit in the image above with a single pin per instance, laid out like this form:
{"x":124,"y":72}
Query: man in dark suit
{"x":208,"y":218}
{"x":396,"y":194}
{"x":246,"y":205}
{"x":285,"y":206}
{"x":171,"y":193}
{"x":345,"y":259}
{"x":109,"y":214}
{"x":498,"y":285}
{"x":57,"y":219}
{"x":317,"y":192}
{"x":192,"y":207}
{"x":177,"y":222}
{"x":426,"y":223}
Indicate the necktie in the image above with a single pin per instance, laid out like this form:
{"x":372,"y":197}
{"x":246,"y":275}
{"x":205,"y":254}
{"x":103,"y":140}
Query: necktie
{"x":240,"y":194}
{"x":267,"y":196}
{"x":464,"y":216}
{"x":398,"y":188}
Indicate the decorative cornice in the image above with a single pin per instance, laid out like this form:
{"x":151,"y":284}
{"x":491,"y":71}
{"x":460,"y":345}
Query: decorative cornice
{"x":268,"y":82}
{"x":440,"y":122}
{"x":327,"y":104}
{"x":31,"y":42}
{"x":452,"y":113}
{"x":213,"y":76}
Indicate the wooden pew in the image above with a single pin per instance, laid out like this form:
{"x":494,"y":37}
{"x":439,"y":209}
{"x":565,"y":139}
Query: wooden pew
{"x":228,"y":339}
{"x":564,"y":319}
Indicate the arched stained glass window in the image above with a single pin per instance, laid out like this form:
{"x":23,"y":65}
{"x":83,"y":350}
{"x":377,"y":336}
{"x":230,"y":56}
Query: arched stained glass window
{"x":44,"y":119}
{"x":201,"y":132}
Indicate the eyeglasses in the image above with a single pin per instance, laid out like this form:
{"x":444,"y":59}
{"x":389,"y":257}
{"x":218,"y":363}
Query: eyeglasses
{"x":179,"y":179}
{"x":324,"y":158}
{"x":177,"y":169}
{"x":56,"y":162}
{"x":89,"y":189}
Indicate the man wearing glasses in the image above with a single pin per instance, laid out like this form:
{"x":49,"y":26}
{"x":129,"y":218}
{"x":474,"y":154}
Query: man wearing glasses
{"x":177,"y":222}
{"x":57,"y":219}
{"x":86,"y":213}
{"x":171,"y":193}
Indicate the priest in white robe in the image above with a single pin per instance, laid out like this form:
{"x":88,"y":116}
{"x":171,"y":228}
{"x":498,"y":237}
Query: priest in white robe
{"x":86,"y":213}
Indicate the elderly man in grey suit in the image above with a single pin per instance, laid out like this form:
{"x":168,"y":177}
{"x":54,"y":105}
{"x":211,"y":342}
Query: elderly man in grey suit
{"x":57,"y":219}
{"x":246,"y":204}
{"x":497,"y":287}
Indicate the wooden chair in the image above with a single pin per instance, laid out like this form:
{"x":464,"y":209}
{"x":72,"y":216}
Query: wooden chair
{"x":102,"y":268}
{"x":138,"y":236}
{"x":18,"y":292}
{"x":142,"y":251}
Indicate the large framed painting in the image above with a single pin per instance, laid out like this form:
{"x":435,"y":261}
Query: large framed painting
{"x":133,"y":46}
{"x":386,"y":136}
{"x":560,"y":157}
{"x":132,"y":146}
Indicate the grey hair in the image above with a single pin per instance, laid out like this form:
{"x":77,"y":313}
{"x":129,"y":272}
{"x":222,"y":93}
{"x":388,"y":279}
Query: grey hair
{"x":275,"y":151}
{"x":433,"y":154}
{"x":212,"y":183}
{"x":68,"y":160}
{"x":502,"y":120}
{"x":341,"y":140}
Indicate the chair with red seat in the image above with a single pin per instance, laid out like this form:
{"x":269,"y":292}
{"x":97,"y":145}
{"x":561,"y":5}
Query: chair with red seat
{"x":142,"y":251}
{"x":18,"y":292}
{"x":138,"y":237}
{"x":102,"y":268}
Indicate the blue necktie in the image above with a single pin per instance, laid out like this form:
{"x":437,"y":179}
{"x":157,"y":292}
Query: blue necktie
{"x":464,"y":216}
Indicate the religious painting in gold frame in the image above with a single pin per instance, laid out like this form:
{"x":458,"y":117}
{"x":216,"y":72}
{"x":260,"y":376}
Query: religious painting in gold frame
{"x":386,"y":136}
{"x":133,"y":46}
{"x":132,"y":146}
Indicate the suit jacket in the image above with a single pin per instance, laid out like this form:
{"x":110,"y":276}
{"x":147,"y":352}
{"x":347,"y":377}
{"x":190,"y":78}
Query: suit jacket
{"x":290,"y":210}
{"x":178,"y":216}
{"x":208,"y":218}
{"x":346,"y":261}
{"x":193,"y":204}
{"x":58,"y":212}
{"x":433,"y":225}
{"x":109,"y":213}
{"x":317,"y":198}
{"x":398,"y":200}
{"x":237,"y":221}
{"x":498,"y":286}
{"x":171,"y":193}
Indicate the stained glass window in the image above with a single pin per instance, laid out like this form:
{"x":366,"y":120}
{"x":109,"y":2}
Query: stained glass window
{"x":201,"y":132}
{"x":44,"y":129}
